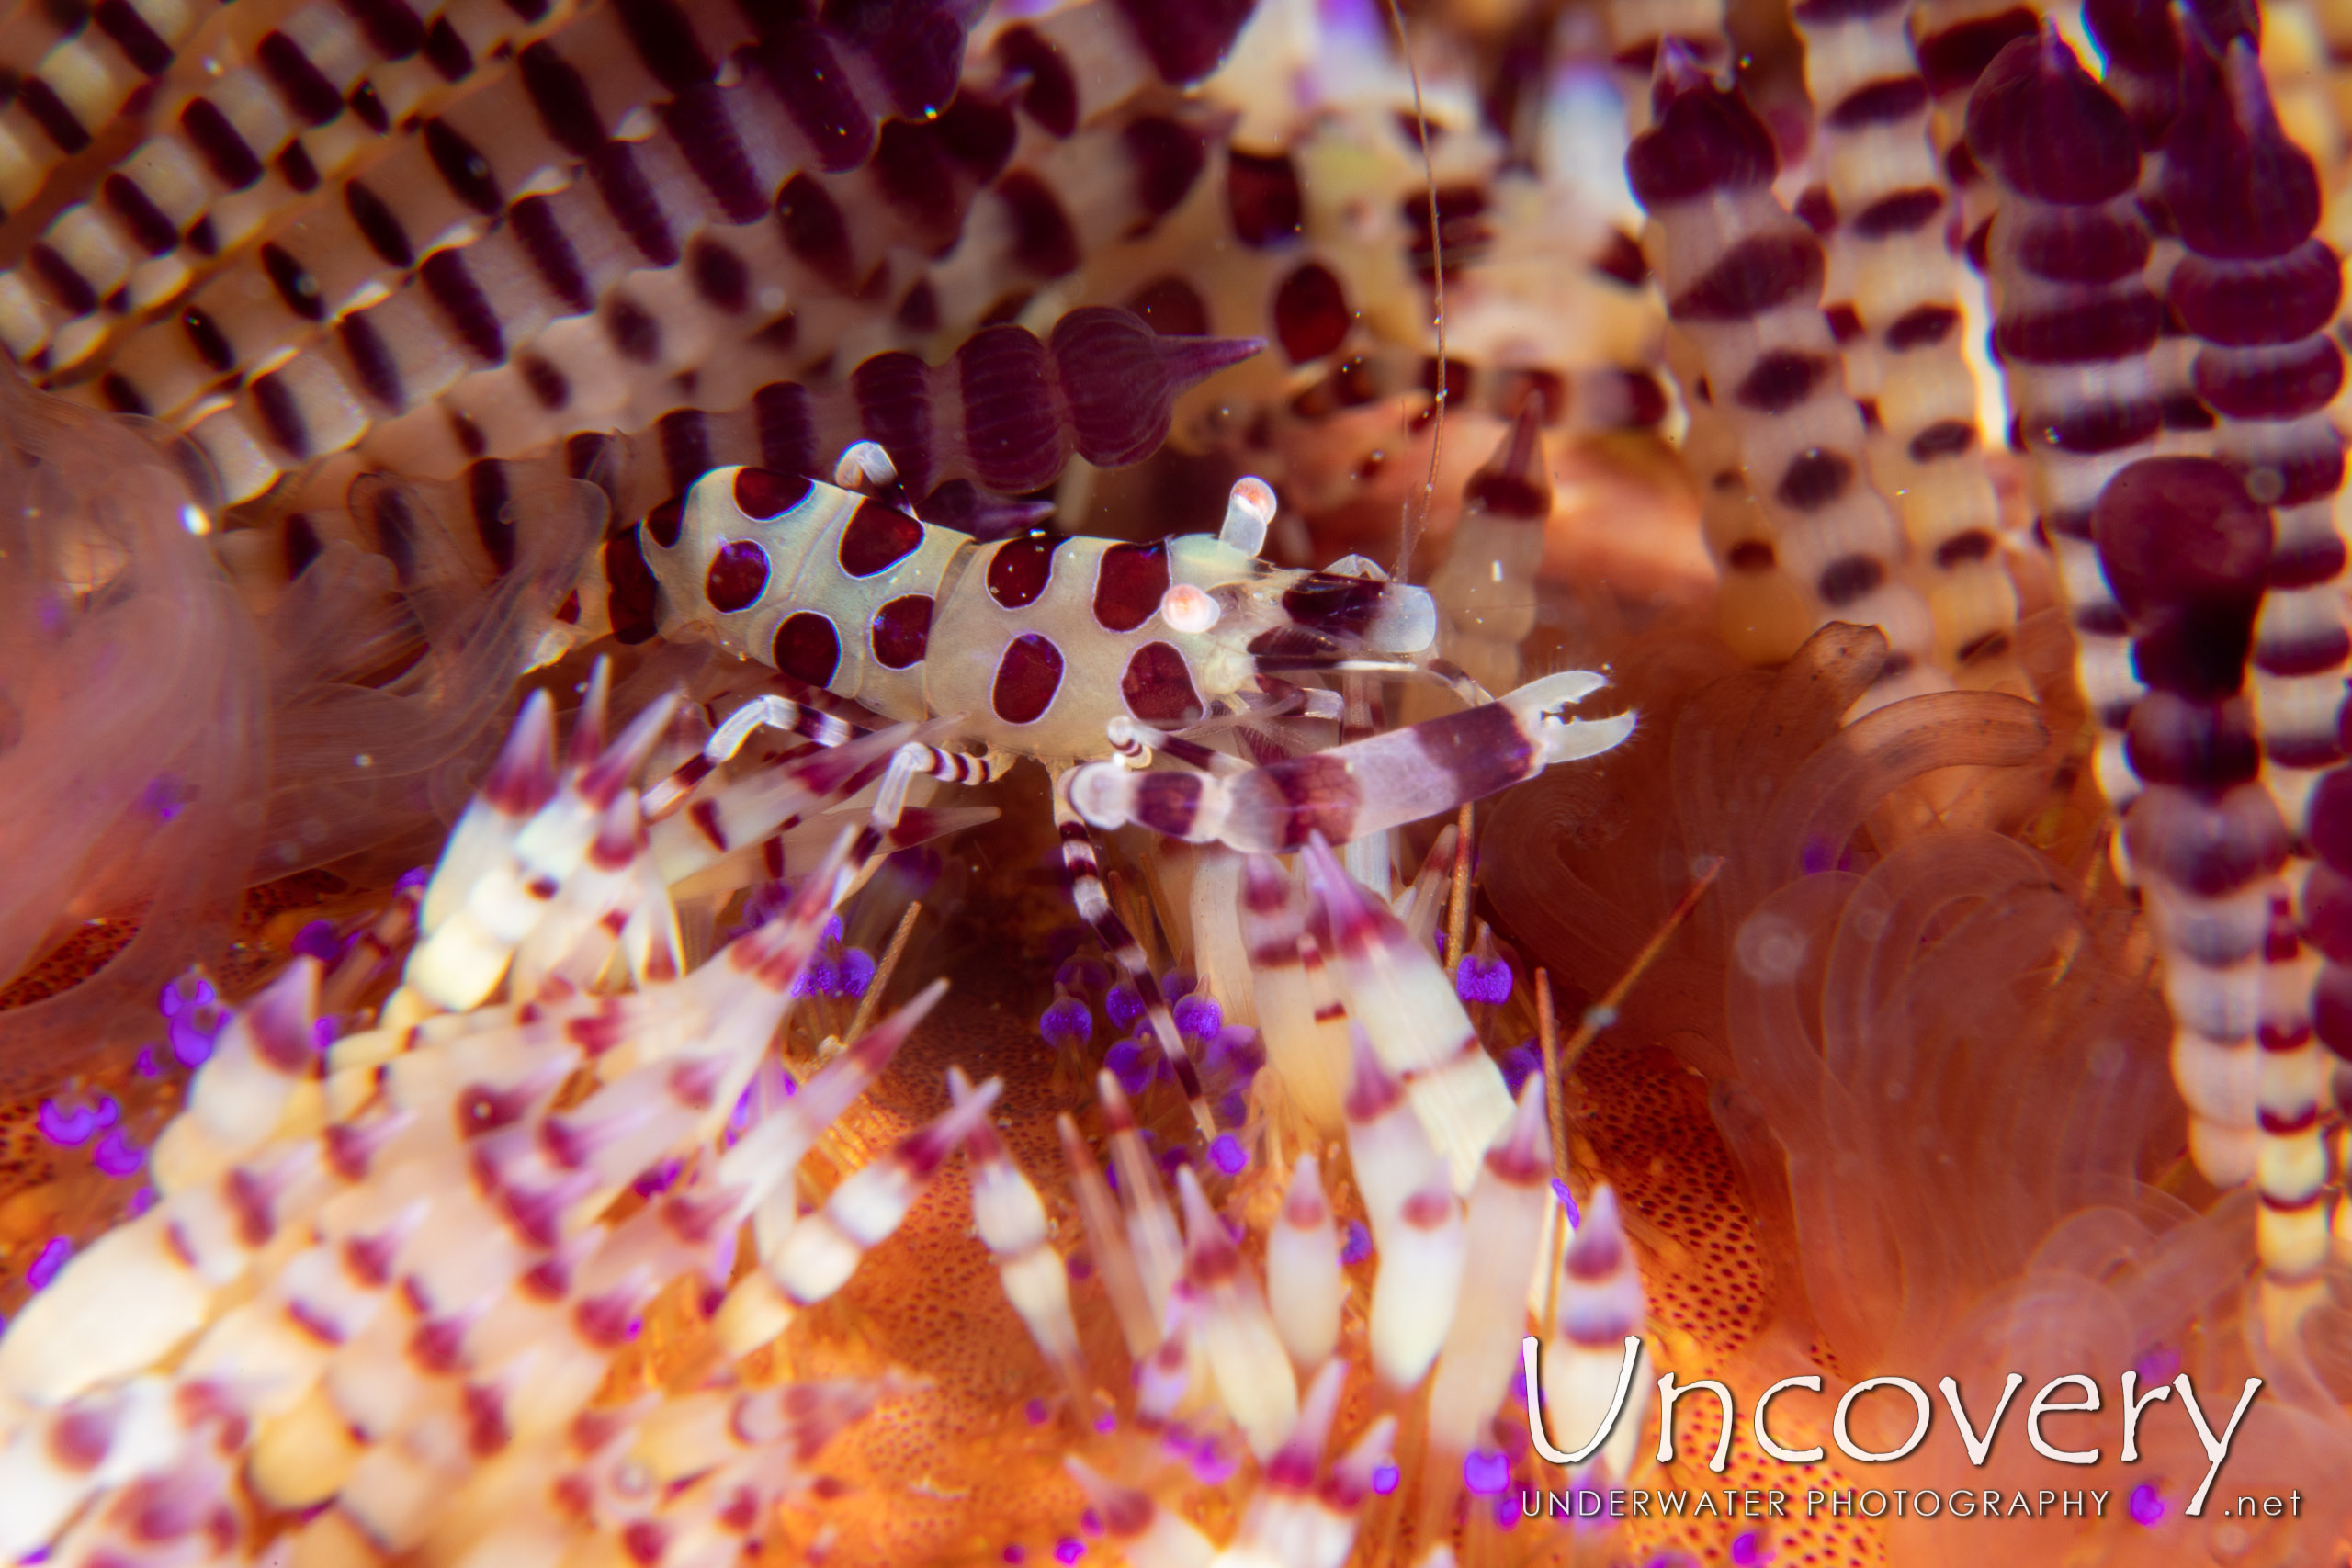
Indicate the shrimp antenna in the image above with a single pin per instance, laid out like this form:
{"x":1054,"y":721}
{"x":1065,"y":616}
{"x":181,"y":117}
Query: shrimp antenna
{"x":1409,"y":526}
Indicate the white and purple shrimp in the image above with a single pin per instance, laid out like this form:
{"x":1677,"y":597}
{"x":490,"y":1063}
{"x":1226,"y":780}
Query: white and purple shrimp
{"x":1097,"y":659}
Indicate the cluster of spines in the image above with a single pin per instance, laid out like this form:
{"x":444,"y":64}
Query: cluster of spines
{"x":449,"y":1225}
{"x":722,"y":154}
{"x":76,"y":68}
{"x":726,"y":152}
{"x":1889,"y":206}
{"x":1003,"y":416}
{"x":2259,"y":291}
{"x":1762,"y":610}
{"x":848,"y":236}
{"x":322,"y":91}
{"x":2187,"y":551}
{"x":1742,"y":279}
{"x":2073,"y":324}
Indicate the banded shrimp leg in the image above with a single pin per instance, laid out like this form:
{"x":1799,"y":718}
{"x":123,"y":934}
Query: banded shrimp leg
{"x":1362,"y":786}
{"x":915,"y":758}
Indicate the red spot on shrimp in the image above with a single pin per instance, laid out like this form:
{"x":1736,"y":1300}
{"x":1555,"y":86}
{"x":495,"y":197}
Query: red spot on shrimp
{"x":738,"y":576}
{"x":763,"y":493}
{"x":1026,"y":679}
{"x":807,"y":649}
{"x":1021,"y":567}
{"x":1129,"y":585}
{"x":878,"y":538}
{"x":666,"y":522}
{"x":1310,"y":313}
{"x":1158,"y":686}
{"x":901,"y":631}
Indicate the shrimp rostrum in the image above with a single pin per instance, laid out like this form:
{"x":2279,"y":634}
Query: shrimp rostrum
{"x":1125,"y":668}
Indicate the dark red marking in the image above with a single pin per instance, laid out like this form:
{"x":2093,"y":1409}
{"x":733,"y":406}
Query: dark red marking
{"x":1881,"y":102}
{"x":486,"y":497}
{"x":1157,"y":687}
{"x":1168,"y":156}
{"x":1849,"y":578}
{"x":666,"y":522}
{"x":206,"y":339}
{"x":815,"y":91}
{"x":1044,"y":243}
{"x":294,"y":166}
{"x":1027,"y":676}
{"x":738,"y":576}
{"x":282,"y":416}
{"x":560,"y":94}
{"x":1009,"y":430}
{"x":699,"y":124}
{"x":1945,"y":438}
{"x":378,"y":225}
{"x":1019,"y":568}
{"x":628,"y":196}
{"x":371,"y":361}
{"x":129,"y":31}
{"x":392,"y":29}
{"x":2243,"y":303}
{"x":1129,"y":584}
{"x":1311,"y":313}
{"x":900,"y":632}
{"x":451,"y":286}
{"x":1814,"y":478}
{"x":633,"y":332}
{"x":49,"y":112}
{"x":878,"y":538}
{"x":1902,"y":212}
{"x":1318,"y":794}
{"x":663,"y":36}
{"x":2236,"y":188}
{"x":2211,"y":847}
{"x":684,"y":438}
{"x":1330,"y":603}
{"x":445,"y":52}
{"x":1049,"y":94}
{"x":719,"y":276}
{"x":552,"y":253}
{"x":786,"y":429}
{"x":762,"y":494}
{"x":815,"y":230}
{"x":635,"y":596}
{"x":1263,"y":195}
{"x":120,"y":395}
{"x":1705,"y":139}
{"x":369,"y":107}
{"x":1757,"y":274}
{"x":2082,"y":245}
{"x":2125,"y":322}
{"x":152,"y":231}
{"x":1782,"y":380}
{"x":1920,"y":326}
{"x":807,"y":649}
{"x":463,"y":168}
{"x":1970,"y":544}
{"x":1172,"y":308}
{"x":893,"y":393}
{"x":63,"y":284}
{"x":1185,"y":42}
{"x":2270,"y":384}
{"x":2046,"y":129}
{"x":294,"y":284}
